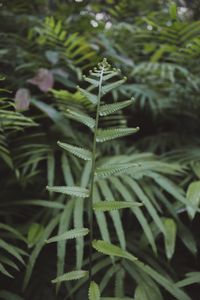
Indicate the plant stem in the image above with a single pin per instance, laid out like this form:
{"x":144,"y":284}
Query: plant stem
{"x":92,"y":177}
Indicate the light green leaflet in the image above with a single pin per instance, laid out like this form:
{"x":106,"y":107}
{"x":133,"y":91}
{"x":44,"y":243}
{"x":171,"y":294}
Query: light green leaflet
{"x":77,"y":151}
{"x":91,"y":97}
{"x":108,"y":87}
{"x":113,"y":205}
{"x":71,"y":234}
{"x":110,"y":249}
{"x":170,"y":236}
{"x":82,"y":118}
{"x":112,"y":169}
{"x":94,"y":293}
{"x":108,"y":109}
{"x":70,"y":190}
{"x":104,"y":135}
{"x":193,"y":197}
{"x":74,"y":275}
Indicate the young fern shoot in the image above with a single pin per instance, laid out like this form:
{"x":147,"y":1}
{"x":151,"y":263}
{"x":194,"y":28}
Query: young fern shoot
{"x":100,"y":84}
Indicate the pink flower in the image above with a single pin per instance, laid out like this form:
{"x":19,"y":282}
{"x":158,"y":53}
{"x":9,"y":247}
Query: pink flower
{"x":43,"y":79}
{"x":22,"y":99}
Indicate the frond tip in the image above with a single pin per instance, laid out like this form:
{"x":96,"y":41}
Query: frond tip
{"x":94,"y":292}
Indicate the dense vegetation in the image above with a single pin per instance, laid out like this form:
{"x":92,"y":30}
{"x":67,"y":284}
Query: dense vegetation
{"x":121,"y":217}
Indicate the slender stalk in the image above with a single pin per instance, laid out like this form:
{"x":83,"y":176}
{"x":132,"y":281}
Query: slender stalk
{"x":92,"y":177}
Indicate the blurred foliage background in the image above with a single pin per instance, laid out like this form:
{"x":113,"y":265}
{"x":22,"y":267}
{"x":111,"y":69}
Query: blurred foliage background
{"x":46,"y":47}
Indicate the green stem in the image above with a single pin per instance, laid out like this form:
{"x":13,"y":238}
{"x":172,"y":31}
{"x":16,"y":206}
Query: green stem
{"x":92,"y":177}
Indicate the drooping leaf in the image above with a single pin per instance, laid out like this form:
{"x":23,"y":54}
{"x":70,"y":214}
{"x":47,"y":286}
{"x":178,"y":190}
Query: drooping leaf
{"x":70,"y":190}
{"x":74,"y":275}
{"x":77,"y":151}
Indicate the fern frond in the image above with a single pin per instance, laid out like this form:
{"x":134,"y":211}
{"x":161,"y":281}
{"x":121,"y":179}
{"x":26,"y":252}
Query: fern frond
{"x":70,"y":190}
{"x":110,"y":249}
{"x":82,"y":118}
{"x":104,"y":135}
{"x":74,"y":275}
{"x":71,"y":234}
{"x":77,"y":151}
{"x":109,"y":109}
{"x":94,"y":292}
{"x":113,"y":205}
{"x":112,"y":169}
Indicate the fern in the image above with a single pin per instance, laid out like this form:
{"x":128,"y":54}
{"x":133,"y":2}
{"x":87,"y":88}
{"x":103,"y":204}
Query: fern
{"x":112,"y":205}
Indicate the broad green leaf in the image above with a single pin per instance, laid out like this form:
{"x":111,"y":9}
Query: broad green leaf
{"x":117,"y":222}
{"x":193,"y":197}
{"x":81,"y":117}
{"x":64,"y":224}
{"x":43,"y":203}
{"x":74,"y":275}
{"x":113,"y":205}
{"x":104,"y":135}
{"x":11,"y":250}
{"x":191,"y":278}
{"x":71,"y":234}
{"x":110,"y":249}
{"x":77,"y":151}
{"x":127,"y":196}
{"x":108,"y":109}
{"x":170,"y":236}
{"x":70,"y":190}
{"x":94,"y":293}
{"x":34,"y":234}
{"x":13,"y":231}
{"x":4,"y":271}
{"x":36,"y":251}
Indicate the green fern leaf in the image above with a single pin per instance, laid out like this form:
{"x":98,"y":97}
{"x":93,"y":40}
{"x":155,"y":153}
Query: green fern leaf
{"x":108,"y":109}
{"x":77,"y":151}
{"x":82,"y":118}
{"x":74,"y":275}
{"x":112,"y":250}
{"x":71,"y":234}
{"x":70,"y":190}
{"x":112,"y":169}
{"x":104,"y":135}
{"x":91,"y":97}
{"x":93,"y":82}
{"x":94,"y":293}
{"x":113,"y":205}
{"x":108,"y":87}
